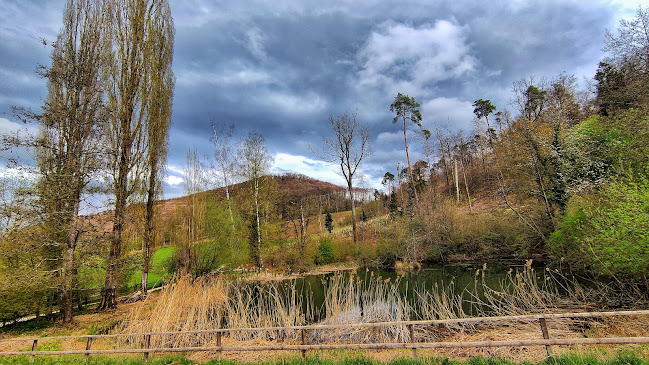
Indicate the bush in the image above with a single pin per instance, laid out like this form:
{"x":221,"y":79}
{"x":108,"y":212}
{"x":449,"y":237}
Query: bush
{"x":390,"y":247}
{"x":608,"y":231}
{"x":366,"y":254}
{"x":288,"y":254}
{"x":455,"y":231}
{"x":325,"y":252}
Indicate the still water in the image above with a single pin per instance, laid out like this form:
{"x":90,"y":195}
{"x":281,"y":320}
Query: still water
{"x":467,"y":281}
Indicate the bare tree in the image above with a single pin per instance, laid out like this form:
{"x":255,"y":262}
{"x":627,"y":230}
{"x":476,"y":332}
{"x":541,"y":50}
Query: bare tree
{"x":129,"y":85}
{"x":631,"y":43}
{"x":221,"y":140}
{"x":348,"y":147}
{"x":299,"y":211}
{"x":194,"y":217}
{"x":254,"y":163}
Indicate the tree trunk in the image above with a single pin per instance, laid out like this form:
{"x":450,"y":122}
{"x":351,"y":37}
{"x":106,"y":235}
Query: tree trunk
{"x":227,"y":198}
{"x":412,"y":177}
{"x":351,"y":197}
{"x":67,"y":288}
{"x":457,"y":182}
{"x":148,"y":228}
{"x":468,"y":197}
{"x":303,"y":228}
{"x":491,"y":141}
{"x":109,"y":298}
{"x":257,"y":250}
{"x":412,"y":237}
{"x":320,"y":214}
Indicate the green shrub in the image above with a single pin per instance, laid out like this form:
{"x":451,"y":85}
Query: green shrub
{"x":325,"y":252}
{"x":389,"y":251}
{"x":608,"y":231}
{"x":366,"y":254}
{"x":343,"y":250}
{"x":288,"y":254}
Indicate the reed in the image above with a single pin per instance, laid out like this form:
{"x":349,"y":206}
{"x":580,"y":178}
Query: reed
{"x":527,"y":290}
{"x":185,"y":305}
{"x":212,"y":303}
{"x":352,"y":299}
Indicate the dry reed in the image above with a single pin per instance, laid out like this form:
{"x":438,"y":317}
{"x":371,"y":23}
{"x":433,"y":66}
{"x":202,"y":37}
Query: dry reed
{"x":213,"y":303}
{"x":352,"y":299}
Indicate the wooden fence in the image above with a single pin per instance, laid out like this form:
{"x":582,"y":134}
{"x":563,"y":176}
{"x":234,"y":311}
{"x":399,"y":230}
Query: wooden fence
{"x":413,"y":344}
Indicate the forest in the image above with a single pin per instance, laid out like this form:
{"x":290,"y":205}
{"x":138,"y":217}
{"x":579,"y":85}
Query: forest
{"x":561,"y":177}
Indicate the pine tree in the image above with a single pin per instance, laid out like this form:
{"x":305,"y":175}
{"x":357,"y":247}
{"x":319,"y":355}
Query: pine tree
{"x":329,"y":222}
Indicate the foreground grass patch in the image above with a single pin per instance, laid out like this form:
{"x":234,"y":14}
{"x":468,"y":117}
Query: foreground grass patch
{"x":96,"y":360}
{"x":620,"y":358}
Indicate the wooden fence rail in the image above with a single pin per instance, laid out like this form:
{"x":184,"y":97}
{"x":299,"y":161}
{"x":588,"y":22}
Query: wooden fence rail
{"x":304,"y":347}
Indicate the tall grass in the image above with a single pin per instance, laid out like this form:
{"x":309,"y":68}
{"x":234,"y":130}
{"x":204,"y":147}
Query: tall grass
{"x":212,"y":303}
{"x":352,"y":299}
{"x":185,"y":305}
{"x":528,"y":291}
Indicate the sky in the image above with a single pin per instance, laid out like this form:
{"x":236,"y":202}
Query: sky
{"x":281,"y":67}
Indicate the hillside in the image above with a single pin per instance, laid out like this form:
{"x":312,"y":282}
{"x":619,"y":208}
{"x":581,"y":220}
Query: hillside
{"x":289,"y":186}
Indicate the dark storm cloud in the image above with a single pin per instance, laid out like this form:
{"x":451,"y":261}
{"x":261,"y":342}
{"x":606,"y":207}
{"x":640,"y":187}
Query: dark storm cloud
{"x":282,"y":67}
{"x":22,"y":26}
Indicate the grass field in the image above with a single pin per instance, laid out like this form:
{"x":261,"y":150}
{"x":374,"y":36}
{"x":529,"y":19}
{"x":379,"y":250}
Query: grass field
{"x":160,"y":261}
{"x":620,"y":358}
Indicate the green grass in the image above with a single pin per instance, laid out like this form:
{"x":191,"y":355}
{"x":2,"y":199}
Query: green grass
{"x":98,"y":360}
{"x":19,"y":328}
{"x":620,"y":358}
{"x":160,"y":262}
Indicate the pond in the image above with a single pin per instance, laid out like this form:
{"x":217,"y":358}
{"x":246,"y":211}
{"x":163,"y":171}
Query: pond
{"x":439,"y":291}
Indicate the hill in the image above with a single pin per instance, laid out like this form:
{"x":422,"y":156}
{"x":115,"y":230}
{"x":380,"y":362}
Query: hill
{"x":289,"y":186}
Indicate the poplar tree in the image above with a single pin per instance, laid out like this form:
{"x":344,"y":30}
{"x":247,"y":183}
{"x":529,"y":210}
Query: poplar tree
{"x":68,"y":145}
{"x":194,"y":215}
{"x":136,"y":25}
{"x":160,"y":56}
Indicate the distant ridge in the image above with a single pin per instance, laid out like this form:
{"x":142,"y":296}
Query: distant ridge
{"x":289,"y":185}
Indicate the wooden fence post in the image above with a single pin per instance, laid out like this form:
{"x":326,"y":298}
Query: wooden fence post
{"x":411,"y":330}
{"x":303,"y":333}
{"x":147,"y":344}
{"x":546,"y":335}
{"x":88,"y":344}
{"x":31,"y":359}
{"x":218,"y":343}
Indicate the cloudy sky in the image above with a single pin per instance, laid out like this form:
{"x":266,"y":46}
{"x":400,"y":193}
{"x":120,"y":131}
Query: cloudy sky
{"x":282,"y":67}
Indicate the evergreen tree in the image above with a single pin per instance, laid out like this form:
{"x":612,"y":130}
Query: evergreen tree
{"x":329,"y":222}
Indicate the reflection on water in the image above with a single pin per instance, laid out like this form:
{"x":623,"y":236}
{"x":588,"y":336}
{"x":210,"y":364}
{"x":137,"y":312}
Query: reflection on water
{"x":458,"y":280}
